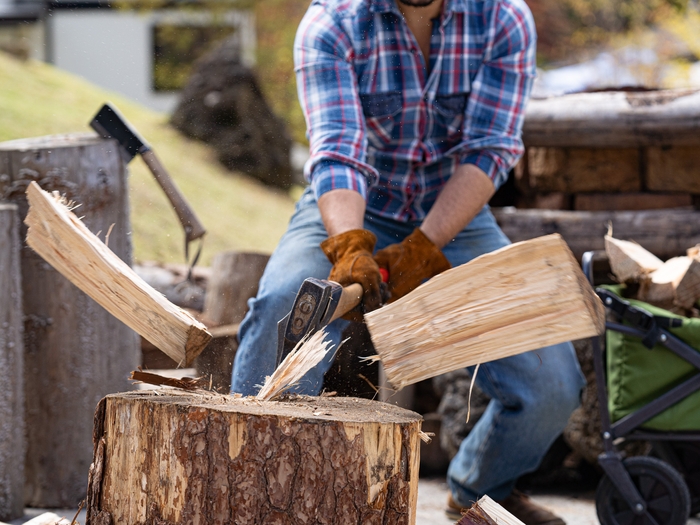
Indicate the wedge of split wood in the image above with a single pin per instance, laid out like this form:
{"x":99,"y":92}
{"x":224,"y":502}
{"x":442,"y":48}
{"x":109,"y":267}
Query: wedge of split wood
{"x":519,"y":298}
{"x":628,"y":260}
{"x":47,"y":518}
{"x":660,"y":286}
{"x":58,"y":236}
{"x":675,"y":282}
{"x":488,"y":512}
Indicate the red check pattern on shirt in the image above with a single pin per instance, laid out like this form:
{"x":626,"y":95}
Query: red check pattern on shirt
{"x":382,"y":123}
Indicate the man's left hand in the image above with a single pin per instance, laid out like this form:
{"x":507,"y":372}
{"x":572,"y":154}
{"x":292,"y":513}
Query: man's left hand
{"x":411,"y":262}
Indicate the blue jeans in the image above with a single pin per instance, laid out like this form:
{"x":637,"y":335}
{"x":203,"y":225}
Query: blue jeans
{"x":532,"y":394}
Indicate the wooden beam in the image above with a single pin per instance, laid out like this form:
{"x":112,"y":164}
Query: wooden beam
{"x":631,"y":201}
{"x":674,"y":169}
{"x":519,"y":298}
{"x":614,"y":119}
{"x":63,"y":241}
{"x":665,"y":233}
{"x":576,"y":170}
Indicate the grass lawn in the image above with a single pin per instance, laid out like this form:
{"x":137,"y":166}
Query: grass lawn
{"x":239,"y":213}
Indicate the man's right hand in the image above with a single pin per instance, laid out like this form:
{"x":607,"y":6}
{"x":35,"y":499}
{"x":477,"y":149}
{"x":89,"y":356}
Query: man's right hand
{"x":350,"y":253}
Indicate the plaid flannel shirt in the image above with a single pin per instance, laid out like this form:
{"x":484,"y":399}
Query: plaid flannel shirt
{"x":381,"y":123}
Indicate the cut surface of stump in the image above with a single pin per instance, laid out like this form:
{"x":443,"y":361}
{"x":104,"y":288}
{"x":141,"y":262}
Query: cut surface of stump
{"x":170,"y":457}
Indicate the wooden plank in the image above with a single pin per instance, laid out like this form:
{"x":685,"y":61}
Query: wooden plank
{"x":12,"y":441}
{"x":63,"y":241}
{"x":519,"y":298}
{"x":674,"y":169}
{"x":614,"y":119}
{"x":631,"y":201}
{"x":576,"y":170}
{"x":665,"y":233}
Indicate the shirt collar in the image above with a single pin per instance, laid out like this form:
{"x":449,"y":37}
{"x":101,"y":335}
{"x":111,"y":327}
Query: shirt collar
{"x":389,"y":6}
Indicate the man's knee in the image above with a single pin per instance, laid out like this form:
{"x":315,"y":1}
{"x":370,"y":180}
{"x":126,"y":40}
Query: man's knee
{"x":558,"y":393}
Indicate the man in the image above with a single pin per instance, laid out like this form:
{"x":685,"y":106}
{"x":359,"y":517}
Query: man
{"x":414,"y":112}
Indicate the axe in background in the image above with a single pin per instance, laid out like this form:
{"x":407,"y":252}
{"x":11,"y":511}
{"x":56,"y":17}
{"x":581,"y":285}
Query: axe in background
{"x":110,"y":124}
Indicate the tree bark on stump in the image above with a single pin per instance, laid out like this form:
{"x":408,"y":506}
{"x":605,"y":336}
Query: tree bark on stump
{"x":75,"y":351}
{"x":234,"y":279}
{"x":12,"y":443}
{"x":173,"y":457}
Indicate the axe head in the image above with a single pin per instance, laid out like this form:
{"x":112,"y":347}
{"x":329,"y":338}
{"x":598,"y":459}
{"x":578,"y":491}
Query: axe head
{"x":110,"y":124}
{"x":313,"y":309}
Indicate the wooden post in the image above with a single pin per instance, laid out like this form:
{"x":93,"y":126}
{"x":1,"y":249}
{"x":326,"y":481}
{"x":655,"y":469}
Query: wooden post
{"x":234,"y":279}
{"x":12,"y":444}
{"x":75,"y":351}
{"x":212,"y":459}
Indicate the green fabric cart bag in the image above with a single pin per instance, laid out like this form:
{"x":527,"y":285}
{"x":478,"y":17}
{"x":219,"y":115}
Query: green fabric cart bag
{"x":638,"y":375}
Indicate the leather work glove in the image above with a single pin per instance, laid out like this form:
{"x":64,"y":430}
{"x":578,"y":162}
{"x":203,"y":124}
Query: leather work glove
{"x":350,"y":253}
{"x":411,"y":262}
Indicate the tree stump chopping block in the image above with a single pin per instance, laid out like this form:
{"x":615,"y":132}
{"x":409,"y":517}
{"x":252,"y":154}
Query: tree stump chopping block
{"x":172,"y":457}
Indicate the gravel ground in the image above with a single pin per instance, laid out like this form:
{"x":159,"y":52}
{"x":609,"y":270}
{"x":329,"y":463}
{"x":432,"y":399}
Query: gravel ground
{"x":575,"y":509}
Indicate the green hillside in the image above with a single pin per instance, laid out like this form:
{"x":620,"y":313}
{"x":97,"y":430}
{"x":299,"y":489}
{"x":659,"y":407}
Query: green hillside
{"x":238,"y":212}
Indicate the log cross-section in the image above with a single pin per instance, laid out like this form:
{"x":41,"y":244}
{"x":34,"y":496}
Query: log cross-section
{"x":172,"y":458}
{"x":63,"y":241}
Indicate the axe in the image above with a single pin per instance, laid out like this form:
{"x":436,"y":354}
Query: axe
{"x":521,"y":297}
{"x":318,"y":303}
{"x":110,"y":124}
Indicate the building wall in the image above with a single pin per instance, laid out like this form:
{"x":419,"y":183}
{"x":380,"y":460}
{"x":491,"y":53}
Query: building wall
{"x":114,"y":48}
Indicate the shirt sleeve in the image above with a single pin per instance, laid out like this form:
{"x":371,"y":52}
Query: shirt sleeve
{"x":494,"y":114}
{"x":329,"y":98}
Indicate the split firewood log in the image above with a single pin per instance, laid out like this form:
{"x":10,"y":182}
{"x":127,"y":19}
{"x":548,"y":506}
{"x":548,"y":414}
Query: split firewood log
{"x":488,"y":512}
{"x":628,"y":260}
{"x":63,"y":241}
{"x":659,"y":287}
{"x":688,"y":289}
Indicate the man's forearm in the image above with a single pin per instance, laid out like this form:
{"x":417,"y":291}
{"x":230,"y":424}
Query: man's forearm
{"x":341,"y":211}
{"x":460,"y":200}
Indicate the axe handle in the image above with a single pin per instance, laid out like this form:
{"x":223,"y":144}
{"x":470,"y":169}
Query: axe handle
{"x":349,"y":299}
{"x":193,"y":228}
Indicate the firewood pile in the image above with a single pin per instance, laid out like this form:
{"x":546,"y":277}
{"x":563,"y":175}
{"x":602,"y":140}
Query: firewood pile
{"x":673,"y":284}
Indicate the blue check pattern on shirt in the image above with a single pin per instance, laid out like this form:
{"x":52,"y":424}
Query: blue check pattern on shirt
{"x":381,"y":123}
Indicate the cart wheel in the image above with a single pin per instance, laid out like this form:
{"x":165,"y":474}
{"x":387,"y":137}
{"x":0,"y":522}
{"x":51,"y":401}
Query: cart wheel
{"x":684,"y":456}
{"x":662,"y":488}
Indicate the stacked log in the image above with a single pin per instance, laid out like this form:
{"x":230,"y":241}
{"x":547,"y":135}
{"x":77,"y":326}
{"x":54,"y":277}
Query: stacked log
{"x":620,"y":156}
{"x":673,"y":284}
